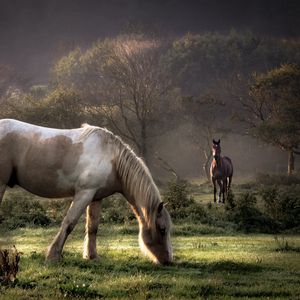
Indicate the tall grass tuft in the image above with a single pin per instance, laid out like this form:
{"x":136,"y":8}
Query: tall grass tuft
{"x":9,"y":265}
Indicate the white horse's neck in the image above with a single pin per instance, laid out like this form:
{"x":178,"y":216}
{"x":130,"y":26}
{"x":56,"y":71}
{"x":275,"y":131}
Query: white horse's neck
{"x":138,"y":185}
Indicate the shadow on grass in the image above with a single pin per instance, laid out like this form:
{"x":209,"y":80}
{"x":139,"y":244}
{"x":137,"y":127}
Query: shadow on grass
{"x":135,"y":277}
{"x":133,"y":264}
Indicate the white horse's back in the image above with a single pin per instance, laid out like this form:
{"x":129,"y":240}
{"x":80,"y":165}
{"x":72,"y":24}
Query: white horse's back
{"x":48,"y":162}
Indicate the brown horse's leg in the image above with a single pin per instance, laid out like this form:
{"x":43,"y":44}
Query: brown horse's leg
{"x":215,"y":189}
{"x":221,"y":190}
{"x":81,"y":200}
{"x":224,"y":190}
{"x":91,"y":228}
{"x":2,"y":191}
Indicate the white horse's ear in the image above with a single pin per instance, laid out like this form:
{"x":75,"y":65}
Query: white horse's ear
{"x":160,"y":207}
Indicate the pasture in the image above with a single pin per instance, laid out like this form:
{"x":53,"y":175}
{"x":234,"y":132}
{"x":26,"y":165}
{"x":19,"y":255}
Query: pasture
{"x":207,"y":265}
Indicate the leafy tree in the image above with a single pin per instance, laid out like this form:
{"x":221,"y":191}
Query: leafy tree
{"x":11,"y":82}
{"x":61,"y":108}
{"x":274,"y":109}
{"x":123,"y":79}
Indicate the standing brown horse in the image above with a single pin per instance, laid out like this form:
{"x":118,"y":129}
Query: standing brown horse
{"x":221,"y":171}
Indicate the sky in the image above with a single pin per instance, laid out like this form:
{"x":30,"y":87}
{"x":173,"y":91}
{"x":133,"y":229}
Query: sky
{"x":35,"y":32}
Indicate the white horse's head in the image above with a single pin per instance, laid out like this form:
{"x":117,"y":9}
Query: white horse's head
{"x":155,"y":239}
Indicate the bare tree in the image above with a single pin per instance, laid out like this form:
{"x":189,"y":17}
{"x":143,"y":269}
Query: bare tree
{"x":206,"y":118}
{"x":136,"y":90}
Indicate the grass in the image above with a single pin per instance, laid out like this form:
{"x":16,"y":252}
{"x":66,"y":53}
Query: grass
{"x":210,"y":266}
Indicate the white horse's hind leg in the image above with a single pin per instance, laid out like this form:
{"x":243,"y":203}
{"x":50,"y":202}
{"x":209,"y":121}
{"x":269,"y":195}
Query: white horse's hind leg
{"x":91,"y":228}
{"x":81,"y":200}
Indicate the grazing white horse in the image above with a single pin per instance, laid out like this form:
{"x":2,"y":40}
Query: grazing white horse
{"x":89,"y":164}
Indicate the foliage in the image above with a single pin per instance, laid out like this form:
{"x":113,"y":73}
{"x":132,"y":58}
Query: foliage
{"x":20,"y":211}
{"x":11,"y":82}
{"x":275,"y":103}
{"x":56,"y":209}
{"x":212,"y":61}
{"x":282,"y":205}
{"x":123,"y":79}
{"x":263,"y":179}
{"x":9,"y":265}
{"x":58,"y":108}
{"x":115,"y":209}
{"x":180,"y":205}
{"x":244,"y":212}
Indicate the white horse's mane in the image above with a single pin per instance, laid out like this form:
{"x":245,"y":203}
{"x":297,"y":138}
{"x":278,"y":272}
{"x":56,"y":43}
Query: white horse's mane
{"x":133,"y":172}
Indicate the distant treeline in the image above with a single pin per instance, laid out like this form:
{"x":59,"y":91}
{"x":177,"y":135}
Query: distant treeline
{"x":141,"y":87}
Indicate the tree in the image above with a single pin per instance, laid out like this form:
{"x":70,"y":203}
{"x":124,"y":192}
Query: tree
{"x":11,"y":82}
{"x":124,"y":81}
{"x":205,"y":116}
{"x":273,"y":109}
{"x":61,"y":108}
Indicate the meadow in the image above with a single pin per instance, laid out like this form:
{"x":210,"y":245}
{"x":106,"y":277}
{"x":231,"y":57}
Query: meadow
{"x":209,"y":263}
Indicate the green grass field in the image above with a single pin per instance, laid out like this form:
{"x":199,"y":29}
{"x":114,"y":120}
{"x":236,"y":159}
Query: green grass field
{"x":205,"y":266}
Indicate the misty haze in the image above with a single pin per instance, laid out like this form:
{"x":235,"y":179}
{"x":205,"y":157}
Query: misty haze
{"x":207,"y":96}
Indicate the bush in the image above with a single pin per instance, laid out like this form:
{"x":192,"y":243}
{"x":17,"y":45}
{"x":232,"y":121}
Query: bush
{"x":9,"y":265}
{"x":282,"y":205}
{"x":17,"y":211}
{"x":56,"y":209}
{"x":246,"y":215}
{"x":115,"y":209}
{"x":180,"y":205}
{"x":276,"y":179}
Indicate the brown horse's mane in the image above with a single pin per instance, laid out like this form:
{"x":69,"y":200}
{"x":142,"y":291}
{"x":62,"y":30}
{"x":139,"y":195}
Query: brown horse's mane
{"x":134,"y":175}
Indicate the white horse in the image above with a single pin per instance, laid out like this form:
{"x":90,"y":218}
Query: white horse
{"x":89,"y":164}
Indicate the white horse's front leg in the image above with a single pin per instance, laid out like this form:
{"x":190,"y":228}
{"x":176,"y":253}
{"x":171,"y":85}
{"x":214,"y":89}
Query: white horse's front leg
{"x":81,"y":200}
{"x":91,"y":228}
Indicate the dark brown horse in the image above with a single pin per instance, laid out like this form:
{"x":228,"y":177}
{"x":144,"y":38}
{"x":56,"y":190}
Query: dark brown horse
{"x":221,"y":171}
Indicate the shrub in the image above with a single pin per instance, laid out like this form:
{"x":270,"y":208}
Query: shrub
{"x":230,"y":203}
{"x":180,"y":205}
{"x":247,"y":216}
{"x":17,"y":211}
{"x":277,"y":179}
{"x":116,"y":209}
{"x":56,"y":209}
{"x":282,"y":205}
{"x":9,"y":265}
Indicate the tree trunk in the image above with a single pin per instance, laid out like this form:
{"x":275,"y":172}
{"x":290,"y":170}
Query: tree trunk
{"x":144,"y":142}
{"x":206,"y":166}
{"x":291,"y":162}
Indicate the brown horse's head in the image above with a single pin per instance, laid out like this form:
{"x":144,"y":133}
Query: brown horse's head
{"x":216,"y":149}
{"x":155,"y":240}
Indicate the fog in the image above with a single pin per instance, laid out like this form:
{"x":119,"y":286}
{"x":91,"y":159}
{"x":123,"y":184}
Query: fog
{"x":36,"y":33}
{"x":249,"y":156}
